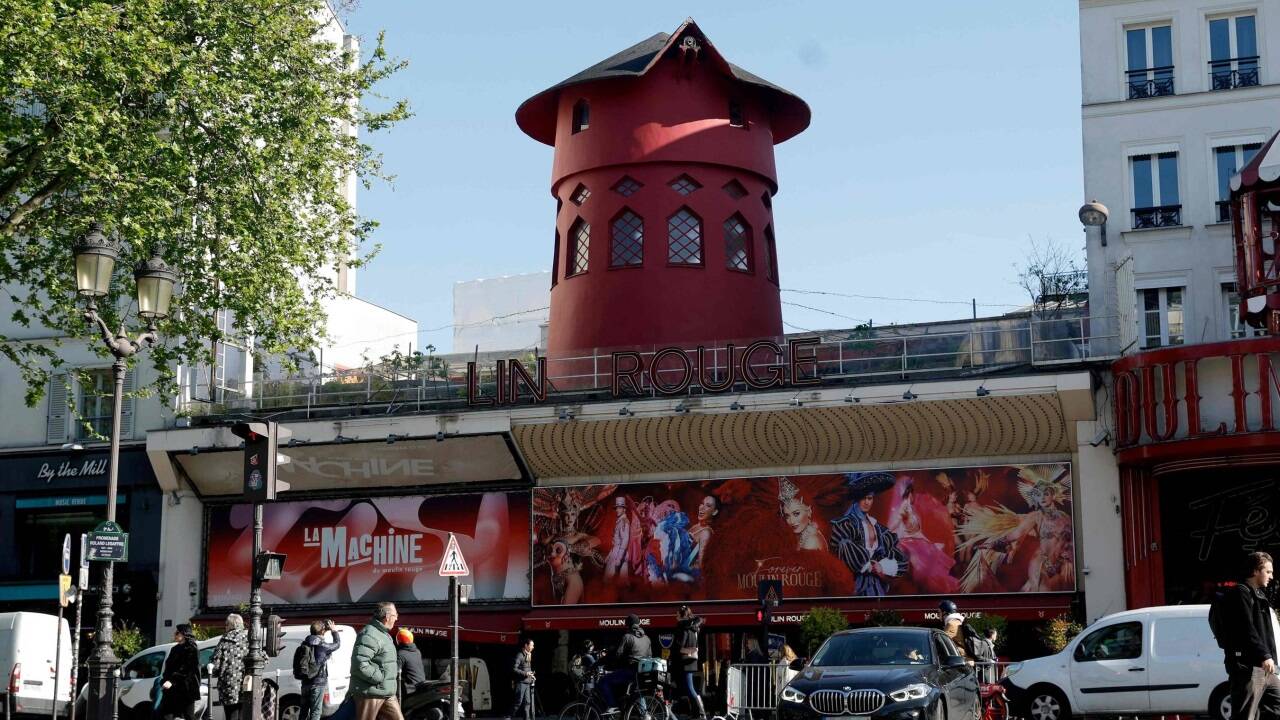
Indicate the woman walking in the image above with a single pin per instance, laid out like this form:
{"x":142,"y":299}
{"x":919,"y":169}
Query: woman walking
{"x":181,"y":678}
{"x":688,"y":625}
{"x":228,"y":665}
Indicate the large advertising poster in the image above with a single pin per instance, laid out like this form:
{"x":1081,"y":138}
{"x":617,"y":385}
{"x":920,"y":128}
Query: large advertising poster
{"x":367,"y":550}
{"x":999,"y":529}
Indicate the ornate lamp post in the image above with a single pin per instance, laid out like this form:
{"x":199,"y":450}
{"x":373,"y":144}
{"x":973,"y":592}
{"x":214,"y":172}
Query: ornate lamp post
{"x":96,"y":257}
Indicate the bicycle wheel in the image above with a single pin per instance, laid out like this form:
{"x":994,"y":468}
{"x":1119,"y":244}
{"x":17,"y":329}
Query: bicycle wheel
{"x":579,"y":710}
{"x":656,"y":709}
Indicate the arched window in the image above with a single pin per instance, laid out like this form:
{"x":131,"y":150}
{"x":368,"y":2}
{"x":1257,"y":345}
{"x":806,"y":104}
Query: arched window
{"x":772,"y":248}
{"x":581,"y":116}
{"x":684,"y":238}
{"x":579,"y":247}
{"x":627,"y":249}
{"x":737,"y":243}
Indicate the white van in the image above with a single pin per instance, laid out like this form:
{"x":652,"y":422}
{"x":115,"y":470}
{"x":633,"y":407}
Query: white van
{"x":138,"y":675}
{"x":27,"y":661}
{"x":1152,"y":661}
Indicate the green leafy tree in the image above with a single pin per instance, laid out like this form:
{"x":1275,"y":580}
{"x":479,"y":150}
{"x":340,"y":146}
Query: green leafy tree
{"x":219,"y":135}
{"x":1058,"y":631}
{"x":819,"y":624}
{"x":127,"y":640}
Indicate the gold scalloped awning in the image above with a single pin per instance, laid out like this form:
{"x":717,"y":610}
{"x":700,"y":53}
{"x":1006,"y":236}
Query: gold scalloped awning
{"x":803,"y":436}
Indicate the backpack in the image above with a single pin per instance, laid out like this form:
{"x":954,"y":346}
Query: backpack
{"x":1217,"y":615}
{"x":305,"y":666}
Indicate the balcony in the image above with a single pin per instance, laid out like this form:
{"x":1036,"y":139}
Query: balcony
{"x":1150,"y":82}
{"x":1223,"y":208}
{"x":1157,"y":217}
{"x":1235,"y":73}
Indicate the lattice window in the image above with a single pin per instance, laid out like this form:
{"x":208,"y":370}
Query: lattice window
{"x":685,"y":185}
{"x":737,"y":244}
{"x":684,"y":238}
{"x":580,"y":194}
{"x":734,"y":189}
{"x":627,"y":186}
{"x":628,"y":240}
{"x":579,"y":247}
{"x":772,"y":247}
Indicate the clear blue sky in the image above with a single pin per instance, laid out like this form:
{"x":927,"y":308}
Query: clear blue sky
{"x":944,"y":135}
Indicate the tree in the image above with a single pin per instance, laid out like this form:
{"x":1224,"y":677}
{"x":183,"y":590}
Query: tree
{"x":218,"y":135}
{"x":819,"y":624}
{"x":1052,"y":275}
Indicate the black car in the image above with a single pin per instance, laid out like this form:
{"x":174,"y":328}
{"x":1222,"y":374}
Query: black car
{"x":896,"y":673}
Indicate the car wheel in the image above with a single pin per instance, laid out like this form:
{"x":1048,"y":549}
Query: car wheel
{"x":1220,"y":703}
{"x":291,"y":708}
{"x":1047,"y":703}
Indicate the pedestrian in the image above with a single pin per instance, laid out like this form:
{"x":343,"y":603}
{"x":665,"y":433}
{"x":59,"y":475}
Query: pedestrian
{"x":313,"y":686}
{"x":687,"y":626}
{"x":409,"y":660}
{"x":374,"y":673}
{"x":523,"y":678}
{"x":754,"y":656}
{"x":1245,"y":631}
{"x":228,"y":665}
{"x":181,"y":677}
{"x":985,"y":655}
{"x":632,"y":648}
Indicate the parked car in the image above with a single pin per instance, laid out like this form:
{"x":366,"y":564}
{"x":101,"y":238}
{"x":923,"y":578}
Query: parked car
{"x":28,"y":663}
{"x":1157,"y":661}
{"x":138,"y":675}
{"x":900,"y":673}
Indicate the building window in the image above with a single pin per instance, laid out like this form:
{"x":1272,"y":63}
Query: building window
{"x":737,"y":243}
{"x":230,"y":369}
{"x":767,"y":200}
{"x":95,"y":402}
{"x":1160,"y":316}
{"x":627,"y":249}
{"x":580,"y":194}
{"x":579,"y":247}
{"x":684,"y":185}
{"x":684,"y":238}
{"x":1155,"y":190}
{"x":736,"y":116}
{"x":772,"y":247}
{"x":1229,"y":160}
{"x":627,"y":186}
{"x":581,"y":116}
{"x":734,"y":189}
{"x":555,"y":260}
{"x":1233,"y":52}
{"x":1150,"y":68}
{"x":1236,"y":326}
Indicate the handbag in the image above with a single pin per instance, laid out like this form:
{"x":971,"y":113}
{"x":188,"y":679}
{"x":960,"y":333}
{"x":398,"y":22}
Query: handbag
{"x":690,"y":653}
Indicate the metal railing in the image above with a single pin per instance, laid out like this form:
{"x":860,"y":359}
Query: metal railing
{"x":1234,"y":73}
{"x":1150,"y":82}
{"x":753,"y":688}
{"x":1059,"y":335}
{"x":1157,"y":217}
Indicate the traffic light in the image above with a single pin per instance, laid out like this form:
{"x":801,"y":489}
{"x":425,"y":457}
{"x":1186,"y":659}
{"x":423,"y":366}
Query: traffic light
{"x":261,"y":441}
{"x":269,"y":566}
{"x":764,"y":615}
{"x":274,"y":644}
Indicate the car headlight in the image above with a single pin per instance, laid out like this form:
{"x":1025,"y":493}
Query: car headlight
{"x":1012,"y":668}
{"x":914,"y":691}
{"x":790,"y":694}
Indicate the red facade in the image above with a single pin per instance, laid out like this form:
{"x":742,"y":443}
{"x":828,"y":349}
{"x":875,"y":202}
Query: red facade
{"x":663,"y":178}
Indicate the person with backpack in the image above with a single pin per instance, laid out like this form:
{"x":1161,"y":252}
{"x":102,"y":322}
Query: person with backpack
{"x":374,"y":673}
{"x":409,"y":660}
{"x":1241,"y":621}
{"x":228,"y":665}
{"x":311,"y":666}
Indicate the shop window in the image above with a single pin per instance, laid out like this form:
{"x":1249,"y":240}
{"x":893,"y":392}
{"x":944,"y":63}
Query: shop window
{"x":627,"y":186}
{"x":627,"y":248}
{"x":734,"y":189}
{"x":580,"y":194}
{"x":581,"y":116}
{"x":1160,"y":314}
{"x":579,"y":247}
{"x":684,"y":238}
{"x":1122,"y":641}
{"x":1236,"y":326}
{"x":684,"y":185}
{"x":771,"y":246}
{"x":737,"y":243}
{"x":736,"y":117}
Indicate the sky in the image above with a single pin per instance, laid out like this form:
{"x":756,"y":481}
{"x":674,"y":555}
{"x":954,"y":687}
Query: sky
{"x":945,"y":137}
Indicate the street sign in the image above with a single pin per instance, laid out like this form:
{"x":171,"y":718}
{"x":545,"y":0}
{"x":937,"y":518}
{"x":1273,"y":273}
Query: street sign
{"x":770,"y":592}
{"x":65,"y":593}
{"x":84,"y":552}
{"x":453,"y":564}
{"x":84,"y":578}
{"x":66,"y":553}
{"x":109,"y":543}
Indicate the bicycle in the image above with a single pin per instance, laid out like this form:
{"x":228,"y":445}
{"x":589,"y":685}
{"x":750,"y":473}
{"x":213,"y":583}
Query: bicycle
{"x":591,"y":704}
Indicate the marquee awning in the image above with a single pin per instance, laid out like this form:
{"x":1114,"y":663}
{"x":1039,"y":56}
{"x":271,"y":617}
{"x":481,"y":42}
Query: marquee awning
{"x":1263,"y":169}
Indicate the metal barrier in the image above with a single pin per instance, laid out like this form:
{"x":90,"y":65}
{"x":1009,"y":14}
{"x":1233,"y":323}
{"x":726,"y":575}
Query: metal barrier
{"x":753,"y":689}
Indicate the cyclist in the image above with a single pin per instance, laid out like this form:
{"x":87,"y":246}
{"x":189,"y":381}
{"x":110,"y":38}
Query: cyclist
{"x":633,"y":647}
{"x":583,"y":667}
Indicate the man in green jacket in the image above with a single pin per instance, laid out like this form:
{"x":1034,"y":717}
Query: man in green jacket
{"x":374,"y":672}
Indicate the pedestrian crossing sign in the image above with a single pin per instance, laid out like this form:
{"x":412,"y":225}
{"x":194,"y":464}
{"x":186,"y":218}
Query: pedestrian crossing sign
{"x":453,"y":564}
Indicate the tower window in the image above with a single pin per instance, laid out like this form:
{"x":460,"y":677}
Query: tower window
{"x":767,"y":200}
{"x":581,"y":116}
{"x":734,"y":189}
{"x":684,"y":238}
{"x":555,"y":260}
{"x":627,"y":186}
{"x":772,"y":248}
{"x":685,"y":185}
{"x":579,"y":247}
{"x":737,"y":243}
{"x":627,"y":249}
{"x":736,"y":116}
{"x":580,"y":194}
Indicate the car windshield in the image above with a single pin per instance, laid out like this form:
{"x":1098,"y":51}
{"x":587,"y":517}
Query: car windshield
{"x":879,"y":647}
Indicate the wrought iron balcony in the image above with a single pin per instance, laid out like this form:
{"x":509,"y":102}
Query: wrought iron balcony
{"x":1141,"y":86}
{"x":1224,"y":210}
{"x":1229,"y":74}
{"x":1157,"y":217}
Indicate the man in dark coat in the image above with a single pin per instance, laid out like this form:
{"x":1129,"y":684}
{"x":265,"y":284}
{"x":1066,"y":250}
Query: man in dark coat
{"x":409,"y":659}
{"x":180,"y":685}
{"x":313,"y":688}
{"x":1249,"y":643}
{"x":523,"y":677}
{"x":634,"y":647}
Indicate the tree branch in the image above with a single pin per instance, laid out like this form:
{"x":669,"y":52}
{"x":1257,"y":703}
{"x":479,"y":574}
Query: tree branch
{"x":17,"y":217}
{"x":23,"y":172}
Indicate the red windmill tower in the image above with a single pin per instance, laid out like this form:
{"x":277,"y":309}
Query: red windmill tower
{"x":663,"y":178}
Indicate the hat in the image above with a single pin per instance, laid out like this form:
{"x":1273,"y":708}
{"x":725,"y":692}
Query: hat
{"x":862,"y":484}
{"x":953,"y":616}
{"x":947,"y":606}
{"x":619,"y":501}
{"x":633,"y":621}
{"x":404,"y":637}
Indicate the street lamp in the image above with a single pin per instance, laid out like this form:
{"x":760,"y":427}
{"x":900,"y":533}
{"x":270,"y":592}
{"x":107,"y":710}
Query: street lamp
{"x":96,"y":257}
{"x":1095,"y":214}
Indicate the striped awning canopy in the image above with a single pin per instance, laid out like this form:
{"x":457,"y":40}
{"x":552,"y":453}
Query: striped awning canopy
{"x":1263,"y":170}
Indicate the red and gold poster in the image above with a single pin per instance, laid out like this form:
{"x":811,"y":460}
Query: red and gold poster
{"x":997,"y":529}
{"x":366,"y":550}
